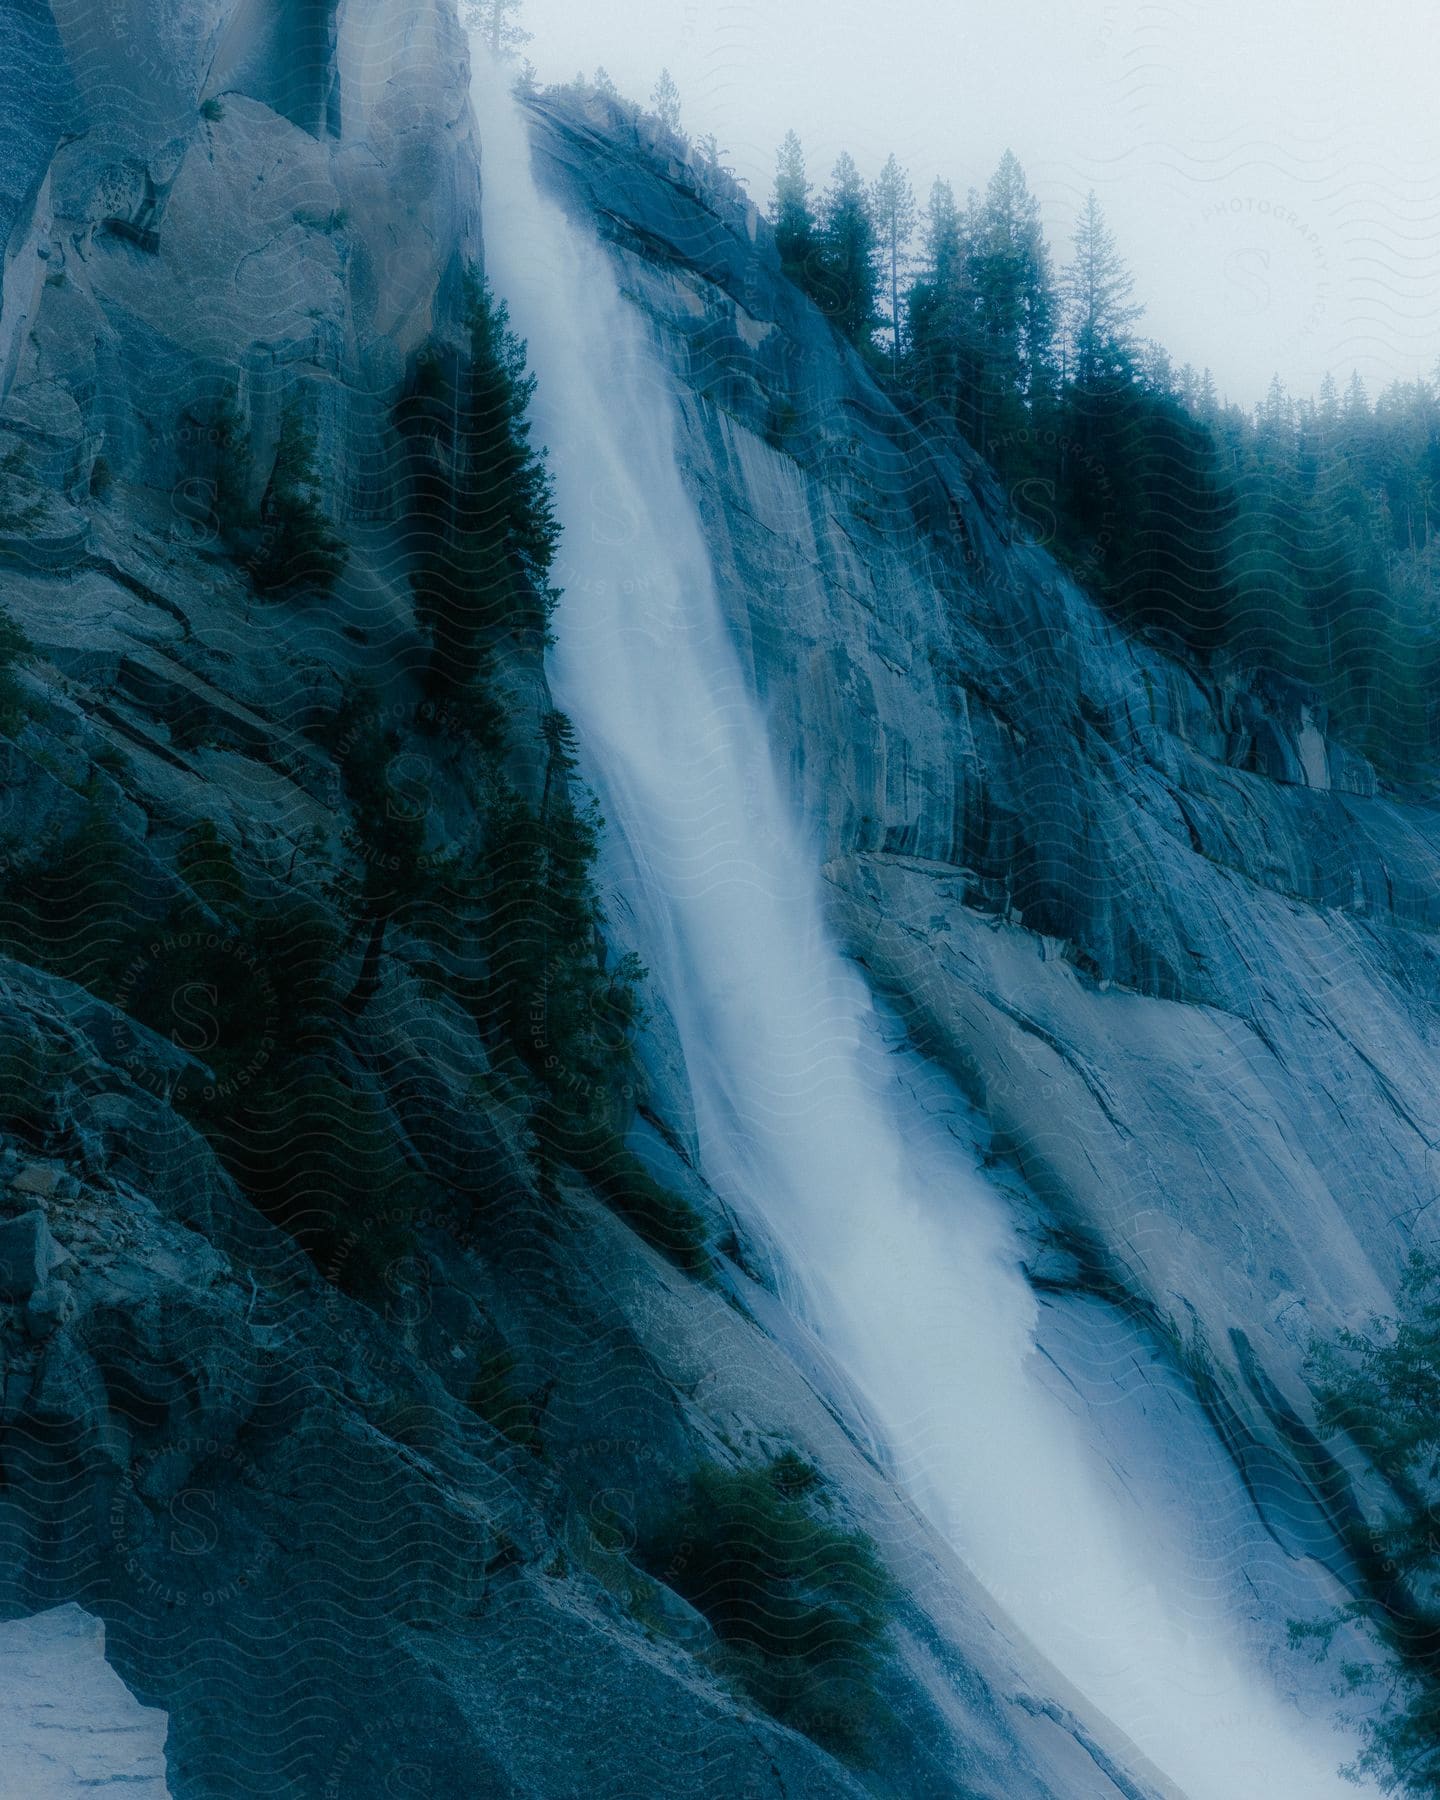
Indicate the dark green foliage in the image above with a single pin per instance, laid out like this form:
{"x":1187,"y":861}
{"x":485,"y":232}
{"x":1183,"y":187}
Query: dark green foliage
{"x":206,"y":864}
{"x":1102,"y":354}
{"x":245,"y":995}
{"x":1298,"y":539}
{"x":1009,"y":335}
{"x":257,"y":1004}
{"x":846,"y":276}
{"x":482,"y":525}
{"x":13,"y":645}
{"x":298,"y":547}
{"x":893,"y":211}
{"x":212,"y":110}
{"x":246,"y":986}
{"x":660,"y":1216}
{"x":73,"y":902}
{"x":315,"y":1149}
{"x":797,"y":230}
{"x":392,"y":874}
{"x":939,"y":302}
{"x":206,"y":991}
{"x":287,"y":544}
{"x":566,"y":1016}
{"x":495,"y":1398}
{"x":1146,"y":512}
{"x":1272,"y":539}
{"x":790,"y":210}
{"x":226,"y":460}
{"x":799,"y":1601}
{"x":1381,"y":1386}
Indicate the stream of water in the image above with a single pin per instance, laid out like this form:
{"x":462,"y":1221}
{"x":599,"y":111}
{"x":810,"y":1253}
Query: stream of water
{"x":810,"y":1123}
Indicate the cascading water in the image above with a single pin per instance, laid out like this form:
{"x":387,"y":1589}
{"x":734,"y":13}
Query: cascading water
{"x":808,"y":1122}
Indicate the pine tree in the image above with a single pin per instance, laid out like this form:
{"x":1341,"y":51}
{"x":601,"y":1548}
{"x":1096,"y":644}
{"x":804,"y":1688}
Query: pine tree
{"x":893,"y":209}
{"x":604,"y":86}
{"x":790,"y":210}
{"x":1328,"y":411}
{"x":1099,"y":309}
{"x":712,"y":157}
{"x":944,"y":317}
{"x":497,"y":25}
{"x":1157,"y":370}
{"x":944,"y":240}
{"x":298,"y":547}
{"x":1014,"y":292}
{"x":1355,"y":412}
{"x":848,"y":253}
{"x":482,"y":516}
{"x":939,"y":302}
{"x":665,"y":102}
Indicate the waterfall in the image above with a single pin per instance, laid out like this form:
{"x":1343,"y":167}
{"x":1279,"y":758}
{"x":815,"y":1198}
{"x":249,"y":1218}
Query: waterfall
{"x":812,"y":1123}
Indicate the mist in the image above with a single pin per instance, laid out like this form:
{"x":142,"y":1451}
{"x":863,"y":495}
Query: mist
{"x":1269,"y":173}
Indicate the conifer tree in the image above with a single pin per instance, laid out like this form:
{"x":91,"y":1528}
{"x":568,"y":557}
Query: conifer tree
{"x":483,"y":517}
{"x":1010,"y":274}
{"x":497,"y":24}
{"x":604,"y":85}
{"x":1355,"y":412}
{"x":1327,"y":412}
{"x":893,"y":209}
{"x":1099,"y":311}
{"x":298,"y":547}
{"x":848,"y":252}
{"x":790,"y":210}
{"x":934,"y":298}
{"x":665,"y":102}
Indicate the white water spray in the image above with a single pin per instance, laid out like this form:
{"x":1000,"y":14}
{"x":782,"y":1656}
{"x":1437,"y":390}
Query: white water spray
{"x":808,"y":1124}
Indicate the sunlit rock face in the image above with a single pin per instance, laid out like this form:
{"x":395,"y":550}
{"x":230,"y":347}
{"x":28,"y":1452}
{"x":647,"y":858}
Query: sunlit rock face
{"x":1159,"y":930}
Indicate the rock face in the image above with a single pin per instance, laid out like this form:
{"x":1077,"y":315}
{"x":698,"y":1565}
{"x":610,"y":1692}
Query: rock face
{"x":68,"y":1725}
{"x":1167,"y":935}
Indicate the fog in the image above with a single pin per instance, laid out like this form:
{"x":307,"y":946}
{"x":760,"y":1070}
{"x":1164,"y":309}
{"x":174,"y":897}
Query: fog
{"x":1269,"y":169}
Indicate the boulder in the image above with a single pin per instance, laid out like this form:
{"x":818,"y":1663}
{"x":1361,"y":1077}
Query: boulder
{"x":28,"y":1254}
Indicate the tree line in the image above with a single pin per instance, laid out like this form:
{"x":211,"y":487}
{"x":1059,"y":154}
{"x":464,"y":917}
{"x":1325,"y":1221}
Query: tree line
{"x":1297,"y":535}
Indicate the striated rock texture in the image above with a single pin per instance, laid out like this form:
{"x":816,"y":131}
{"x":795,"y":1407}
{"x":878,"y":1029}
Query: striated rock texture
{"x":1164,"y":931}
{"x":1172,"y":942}
{"x":68,"y":1726}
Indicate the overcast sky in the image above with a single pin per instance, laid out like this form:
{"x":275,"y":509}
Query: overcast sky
{"x":1271,"y":167}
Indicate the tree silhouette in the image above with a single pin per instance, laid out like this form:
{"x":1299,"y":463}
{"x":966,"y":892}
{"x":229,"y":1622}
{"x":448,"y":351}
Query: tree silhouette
{"x":893,"y":203}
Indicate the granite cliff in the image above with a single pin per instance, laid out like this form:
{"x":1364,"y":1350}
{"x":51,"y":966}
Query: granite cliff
{"x":1169,"y":938}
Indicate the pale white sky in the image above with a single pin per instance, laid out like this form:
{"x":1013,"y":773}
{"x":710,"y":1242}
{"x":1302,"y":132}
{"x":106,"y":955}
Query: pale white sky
{"x":1272,"y":170}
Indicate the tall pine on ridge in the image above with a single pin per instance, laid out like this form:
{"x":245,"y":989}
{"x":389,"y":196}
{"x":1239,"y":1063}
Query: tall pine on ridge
{"x":893,"y":206}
